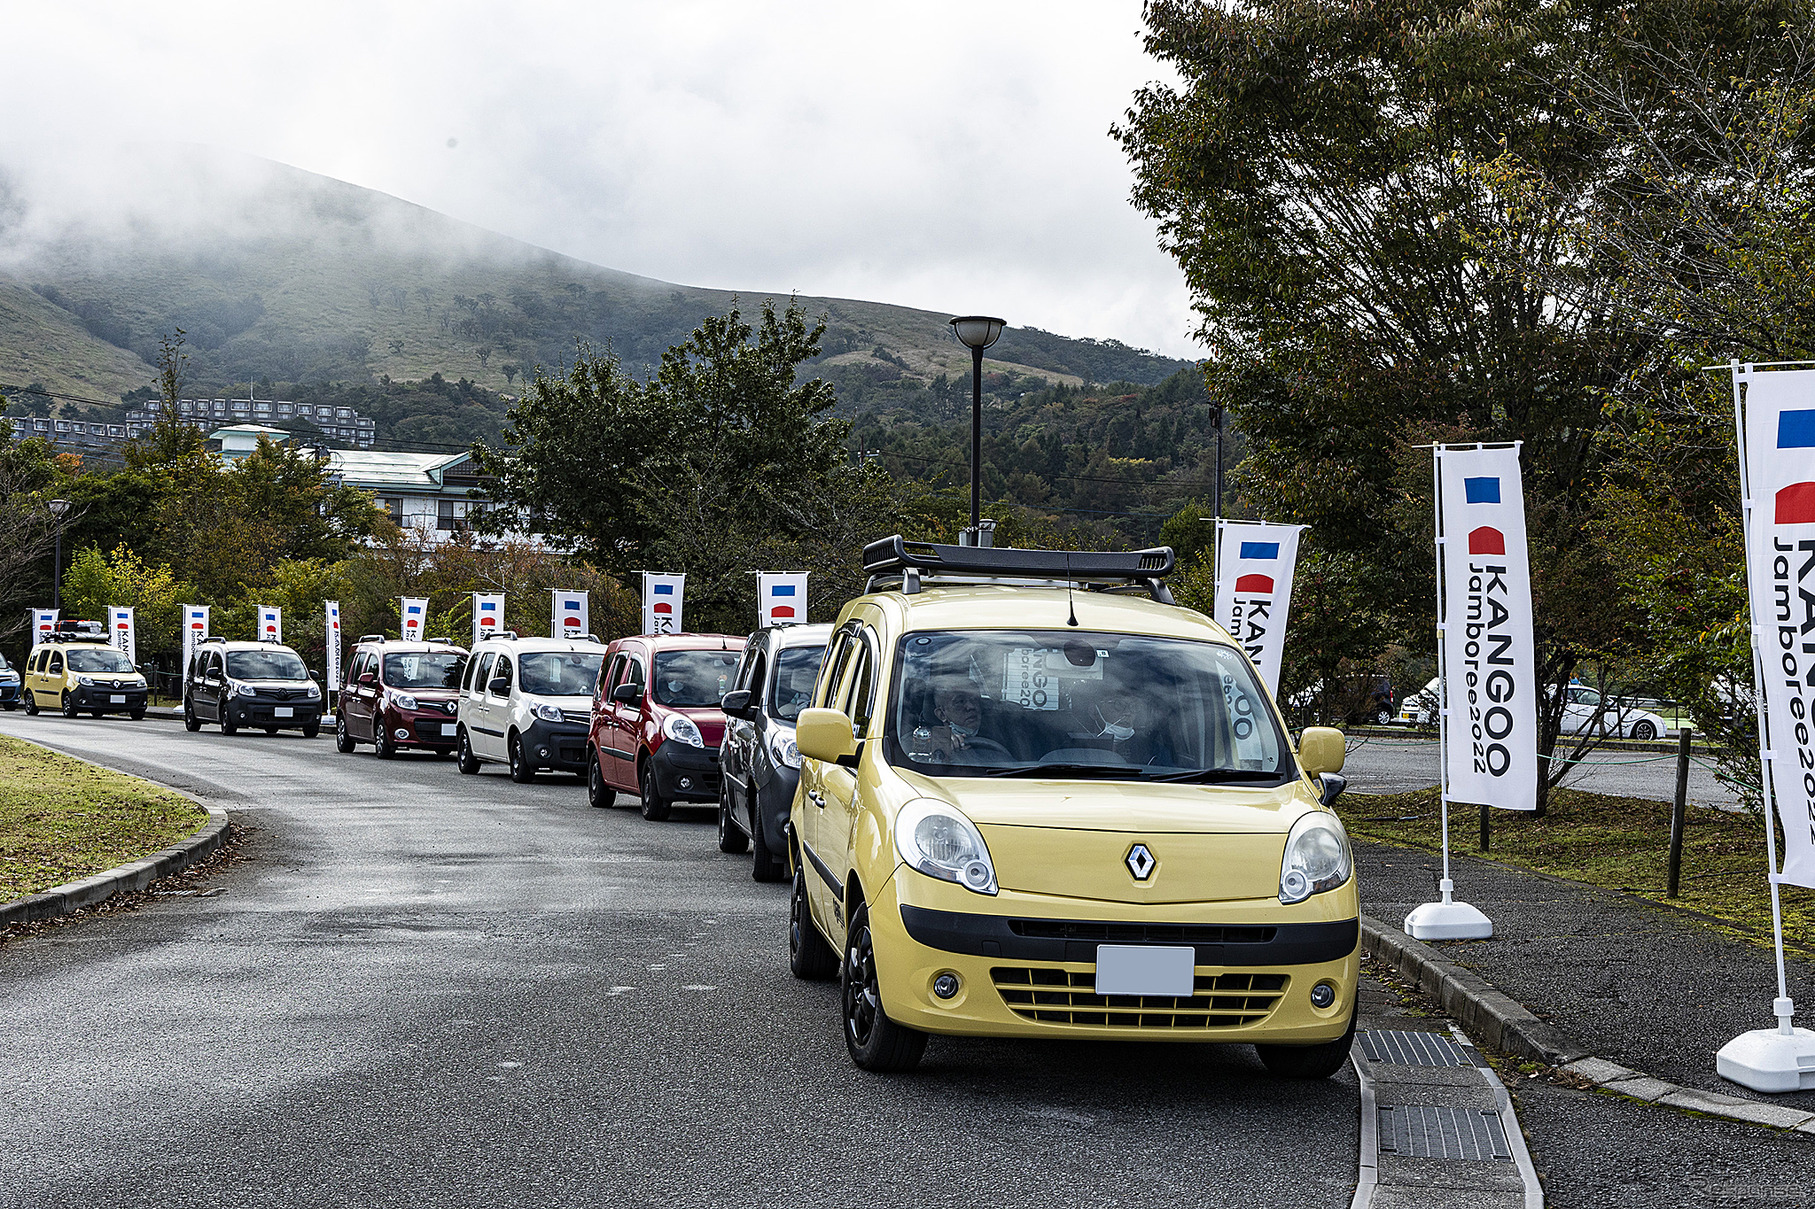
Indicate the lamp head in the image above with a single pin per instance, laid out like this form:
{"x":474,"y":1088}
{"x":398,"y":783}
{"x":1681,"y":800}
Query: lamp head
{"x":58,"y":508}
{"x":977,"y":331}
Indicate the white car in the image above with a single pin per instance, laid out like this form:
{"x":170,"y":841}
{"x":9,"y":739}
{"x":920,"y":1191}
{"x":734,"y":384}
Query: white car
{"x":1580,"y":712}
{"x":527,"y":703}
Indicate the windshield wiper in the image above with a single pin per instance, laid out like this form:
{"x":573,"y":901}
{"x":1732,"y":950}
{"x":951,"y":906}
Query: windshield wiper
{"x":1213,"y":776}
{"x":1035,"y":770}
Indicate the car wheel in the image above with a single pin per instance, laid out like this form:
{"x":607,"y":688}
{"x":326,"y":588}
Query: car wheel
{"x":464,"y":758}
{"x":809,"y":956}
{"x":383,"y":746}
{"x":136,"y":715}
{"x":730,"y":839}
{"x":521,"y":770}
{"x":599,"y":795}
{"x":31,"y":702}
{"x":876,"y":1043}
{"x":270,"y":730}
{"x":228,"y":726}
{"x":765,"y":865}
{"x":1382,"y":717}
{"x":1643,"y":730}
{"x":1310,"y":1061}
{"x":654,"y":808}
{"x":191,"y":723}
{"x":69,"y":707}
{"x":343,"y":742}
{"x":97,"y":713}
{"x":311,"y":729}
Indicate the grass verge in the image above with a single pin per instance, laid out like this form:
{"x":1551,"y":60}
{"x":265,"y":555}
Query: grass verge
{"x":1619,"y":843}
{"x":62,"y":820}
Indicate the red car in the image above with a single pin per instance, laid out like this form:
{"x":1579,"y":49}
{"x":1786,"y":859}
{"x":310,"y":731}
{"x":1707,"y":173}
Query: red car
{"x":656,"y":725}
{"x":400,"y":694}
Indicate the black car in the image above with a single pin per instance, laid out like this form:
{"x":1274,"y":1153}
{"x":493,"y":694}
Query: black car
{"x":250,"y":684}
{"x":759,"y":763}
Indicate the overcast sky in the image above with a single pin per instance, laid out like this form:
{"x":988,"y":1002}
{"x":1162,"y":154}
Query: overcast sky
{"x":952,"y":156}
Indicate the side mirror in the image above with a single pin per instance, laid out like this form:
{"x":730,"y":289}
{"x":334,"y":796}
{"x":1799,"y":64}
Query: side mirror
{"x":1321,"y":749}
{"x":627,"y":694}
{"x":1333,"y":785}
{"x":825,"y":734}
{"x":499,"y":687}
{"x":368,"y":679}
{"x":736,"y":704}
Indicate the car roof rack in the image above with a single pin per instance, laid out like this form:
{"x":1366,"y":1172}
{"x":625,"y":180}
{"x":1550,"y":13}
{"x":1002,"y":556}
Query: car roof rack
{"x":895,"y":561}
{"x":372,"y":638}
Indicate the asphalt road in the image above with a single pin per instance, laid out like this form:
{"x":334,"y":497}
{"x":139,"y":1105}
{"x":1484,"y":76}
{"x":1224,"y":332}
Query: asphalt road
{"x":1399,"y":765}
{"x":429,"y":989}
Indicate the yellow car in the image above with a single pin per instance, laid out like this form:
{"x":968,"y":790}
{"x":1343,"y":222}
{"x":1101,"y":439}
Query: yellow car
{"x":76,"y":670}
{"x":1033,"y":804}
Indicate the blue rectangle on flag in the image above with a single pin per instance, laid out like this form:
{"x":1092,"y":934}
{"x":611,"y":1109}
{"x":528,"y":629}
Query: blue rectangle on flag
{"x":1481,"y":491}
{"x":1796,"y":429}
{"x":664,"y":589}
{"x":1260,"y":550}
{"x":782,"y":590}
{"x":570,"y":604}
{"x":415,"y":608}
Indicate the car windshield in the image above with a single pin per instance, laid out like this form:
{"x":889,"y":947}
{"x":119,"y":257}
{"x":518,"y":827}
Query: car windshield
{"x":559,"y":673}
{"x":694,"y":678}
{"x":796,"y":668}
{"x":265,"y":665}
{"x":988,"y":703}
{"x":99,"y":659}
{"x":424,"y":669}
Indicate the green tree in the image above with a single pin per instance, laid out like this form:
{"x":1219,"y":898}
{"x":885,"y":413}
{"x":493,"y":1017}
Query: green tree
{"x":95,"y":581}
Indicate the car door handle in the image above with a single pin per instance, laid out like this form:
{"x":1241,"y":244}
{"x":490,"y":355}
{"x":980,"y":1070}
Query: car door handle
{"x":815,"y":797}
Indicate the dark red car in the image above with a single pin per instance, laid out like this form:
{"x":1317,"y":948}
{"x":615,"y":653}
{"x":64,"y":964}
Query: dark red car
{"x":656,"y":725}
{"x":400,"y":695}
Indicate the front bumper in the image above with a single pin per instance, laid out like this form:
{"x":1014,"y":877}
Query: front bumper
{"x":251,"y":711}
{"x":1026,"y":965}
{"x":556,"y":745}
{"x":774,"y":803}
{"x":9,"y":694}
{"x":424,"y":729}
{"x":100,"y":699}
{"x":684,"y":773}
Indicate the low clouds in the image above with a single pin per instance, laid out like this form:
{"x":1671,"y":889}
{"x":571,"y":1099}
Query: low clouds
{"x":942,"y":155}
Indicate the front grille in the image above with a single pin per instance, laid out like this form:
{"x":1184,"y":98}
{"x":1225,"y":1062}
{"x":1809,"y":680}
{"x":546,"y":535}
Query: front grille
{"x":1142,"y":934}
{"x":1069,"y":997}
{"x":583,"y":717}
{"x":571,"y":753}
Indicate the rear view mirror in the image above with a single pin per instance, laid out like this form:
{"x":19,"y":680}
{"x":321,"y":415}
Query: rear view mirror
{"x":736,"y":704}
{"x":1321,"y":749}
{"x":627,"y":694}
{"x":825,"y":734}
{"x":499,"y":687}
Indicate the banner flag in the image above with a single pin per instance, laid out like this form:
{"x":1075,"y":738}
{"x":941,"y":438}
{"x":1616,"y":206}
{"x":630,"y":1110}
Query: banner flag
{"x":270,"y":623}
{"x":1254,"y":566}
{"x":1488,"y":661}
{"x":488,"y":615}
{"x":568,"y":614}
{"x":331,"y":642}
{"x":662,"y":602}
{"x":1777,"y":427}
{"x":122,"y":631}
{"x":781,"y":598}
{"x":415,"y":611}
{"x":195,"y":628}
{"x":44,"y":624}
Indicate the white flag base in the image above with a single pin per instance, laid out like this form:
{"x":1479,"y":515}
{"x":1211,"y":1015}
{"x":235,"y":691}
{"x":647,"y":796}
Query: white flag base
{"x":1771,"y":1059}
{"x":1448,"y":920}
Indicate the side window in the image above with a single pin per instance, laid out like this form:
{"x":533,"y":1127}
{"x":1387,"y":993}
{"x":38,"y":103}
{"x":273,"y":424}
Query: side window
{"x":484,"y":675}
{"x":860,"y":694}
{"x":634,"y":672}
{"x":504,"y":673}
{"x":608,"y":678}
{"x":831,"y":672}
{"x":56,"y":662}
{"x":759,"y":676}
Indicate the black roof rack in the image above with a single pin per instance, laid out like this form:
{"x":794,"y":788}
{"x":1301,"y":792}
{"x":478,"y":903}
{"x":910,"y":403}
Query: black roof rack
{"x":897,"y":559}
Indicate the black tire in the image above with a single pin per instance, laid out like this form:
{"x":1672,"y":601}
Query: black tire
{"x":228,"y":725}
{"x":137,"y":715}
{"x":655,"y":808}
{"x":383,"y":746}
{"x":343,"y":742}
{"x":31,"y":703}
{"x":809,"y":956}
{"x":311,"y":729}
{"x":521,"y":770}
{"x":69,"y":707}
{"x":97,"y":713}
{"x":875,"y":1042}
{"x":464,"y":758}
{"x":599,"y":795}
{"x":191,"y":723}
{"x":1310,"y":1061}
{"x":1644,"y":731}
{"x":731,"y":838}
{"x":271,"y":730}
{"x":765,"y":865}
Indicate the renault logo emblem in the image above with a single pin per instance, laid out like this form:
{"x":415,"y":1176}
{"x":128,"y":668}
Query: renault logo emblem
{"x":1140,"y":862}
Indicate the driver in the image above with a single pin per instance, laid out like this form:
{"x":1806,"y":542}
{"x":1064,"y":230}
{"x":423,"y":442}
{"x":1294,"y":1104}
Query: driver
{"x":958,"y":707}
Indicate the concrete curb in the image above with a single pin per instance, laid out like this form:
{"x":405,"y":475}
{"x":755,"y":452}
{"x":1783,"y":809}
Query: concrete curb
{"x":72,"y":896}
{"x":1508,"y":1026}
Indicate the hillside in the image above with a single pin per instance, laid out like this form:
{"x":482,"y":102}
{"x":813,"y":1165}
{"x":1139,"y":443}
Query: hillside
{"x":280,"y":276}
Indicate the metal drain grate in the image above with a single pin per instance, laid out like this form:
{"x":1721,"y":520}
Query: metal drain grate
{"x":1413,"y":1049}
{"x":1421,"y":1131}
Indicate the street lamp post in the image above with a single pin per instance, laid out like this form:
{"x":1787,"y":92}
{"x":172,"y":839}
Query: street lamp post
{"x":57,"y":509}
{"x":976,"y":332}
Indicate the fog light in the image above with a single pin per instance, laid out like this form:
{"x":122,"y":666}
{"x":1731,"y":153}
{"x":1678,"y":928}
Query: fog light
{"x":686,"y":782}
{"x":402,"y":733}
{"x":542,"y":752}
{"x":1323,"y":995}
{"x":946,"y":985}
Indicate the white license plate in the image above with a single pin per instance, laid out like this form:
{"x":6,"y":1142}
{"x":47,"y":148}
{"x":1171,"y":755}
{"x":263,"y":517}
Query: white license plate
{"x":117,"y":699}
{"x":449,"y":729}
{"x":1145,"y":970}
{"x":283,"y":711}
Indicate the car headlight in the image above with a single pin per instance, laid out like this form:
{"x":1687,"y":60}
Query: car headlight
{"x":1317,"y":858}
{"x":681,"y":729}
{"x":313,"y":692}
{"x":782,"y":749}
{"x":244,"y":690}
{"x":550,"y":713}
{"x":405,"y":701}
{"x":85,"y":681}
{"x":940,"y":842}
